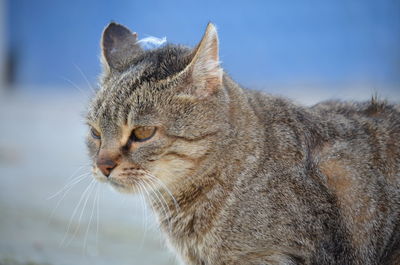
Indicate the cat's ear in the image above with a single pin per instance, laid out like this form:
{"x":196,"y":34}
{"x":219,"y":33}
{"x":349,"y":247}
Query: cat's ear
{"x":204,"y":72}
{"x":119,"y":47}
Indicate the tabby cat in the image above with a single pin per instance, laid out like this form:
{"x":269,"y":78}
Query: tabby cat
{"x":237,"y":176}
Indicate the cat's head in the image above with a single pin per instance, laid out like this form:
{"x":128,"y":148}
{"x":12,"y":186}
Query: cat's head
{"x":159,"y":114}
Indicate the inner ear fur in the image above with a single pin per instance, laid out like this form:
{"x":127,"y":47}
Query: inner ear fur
{"x":204,"y":74}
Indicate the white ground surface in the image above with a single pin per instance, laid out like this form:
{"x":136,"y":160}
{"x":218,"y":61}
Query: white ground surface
{"x":41,"y":146}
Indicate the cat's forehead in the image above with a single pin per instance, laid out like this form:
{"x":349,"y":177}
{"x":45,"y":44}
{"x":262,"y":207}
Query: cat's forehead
{"x":152,"y":66}
{"x":158,"y":64}
{"x":115,"y":105}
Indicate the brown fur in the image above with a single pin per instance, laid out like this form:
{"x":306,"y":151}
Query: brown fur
{"x":241,"y":177}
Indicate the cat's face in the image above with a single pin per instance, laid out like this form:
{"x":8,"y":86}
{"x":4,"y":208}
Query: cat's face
{"x":158,"y":113}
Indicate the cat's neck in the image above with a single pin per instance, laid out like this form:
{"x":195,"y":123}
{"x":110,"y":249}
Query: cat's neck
{"x":189,"y":209}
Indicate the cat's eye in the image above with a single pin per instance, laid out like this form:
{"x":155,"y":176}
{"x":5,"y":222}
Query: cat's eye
{"x":144,"y":133}
{"x":95,"y":134}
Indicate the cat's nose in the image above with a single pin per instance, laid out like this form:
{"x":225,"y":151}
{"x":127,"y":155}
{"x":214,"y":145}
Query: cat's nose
{"x":106,"y":164}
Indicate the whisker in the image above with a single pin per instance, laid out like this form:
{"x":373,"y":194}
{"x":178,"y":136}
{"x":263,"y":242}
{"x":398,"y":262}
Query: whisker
{"x":75,"y":86}
{"x":144,"y":185}
{"x":98,"y":217}
{"x":144,"y":214}
{"x":166,"y":210}
{"x":66,"y":186}
{"x":93,"y":184}
{"x":149,"y":196}
{"x":156,"y":191}
{"x":86,"y":79}
{"x":163,"y":203}
{"x":159,"y":181}
{"x":75,"y":210}
{"x":82,"y":177}
{"x":91,"y":214}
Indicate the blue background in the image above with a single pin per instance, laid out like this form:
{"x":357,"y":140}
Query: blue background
{"x":334,"y":44}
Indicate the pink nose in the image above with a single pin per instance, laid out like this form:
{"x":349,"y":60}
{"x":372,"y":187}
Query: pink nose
{"x":106,"y":164}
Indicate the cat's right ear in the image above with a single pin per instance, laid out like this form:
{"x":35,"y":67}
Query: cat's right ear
{"x":203,"y":75}
{"x":119,"y":47}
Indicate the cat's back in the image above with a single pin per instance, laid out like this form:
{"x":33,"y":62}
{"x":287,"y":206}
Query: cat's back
{"x":368,"y":133}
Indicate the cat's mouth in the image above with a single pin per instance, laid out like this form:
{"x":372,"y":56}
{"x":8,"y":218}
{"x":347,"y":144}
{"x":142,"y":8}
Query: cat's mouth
{"x":127,"y":179}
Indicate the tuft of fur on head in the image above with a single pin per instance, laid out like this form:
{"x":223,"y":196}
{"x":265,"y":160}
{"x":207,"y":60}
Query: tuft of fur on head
{"x":152,"y":42}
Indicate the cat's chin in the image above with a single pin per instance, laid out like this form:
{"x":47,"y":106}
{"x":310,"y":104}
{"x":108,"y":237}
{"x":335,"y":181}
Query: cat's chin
{"x":101,"y":179}
{"x":122,"y":187}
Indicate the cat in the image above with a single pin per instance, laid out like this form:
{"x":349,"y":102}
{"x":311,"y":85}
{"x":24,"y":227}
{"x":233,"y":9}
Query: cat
{"x":237,"y":176}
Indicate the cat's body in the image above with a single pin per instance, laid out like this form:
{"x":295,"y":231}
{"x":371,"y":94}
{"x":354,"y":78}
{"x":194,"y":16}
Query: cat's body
{"x":254,"y":179}
{"x":313,"y":185}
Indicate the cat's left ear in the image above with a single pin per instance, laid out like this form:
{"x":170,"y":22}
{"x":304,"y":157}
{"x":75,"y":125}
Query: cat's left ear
{"x":204,"y":72}
{"x":119,"y":47}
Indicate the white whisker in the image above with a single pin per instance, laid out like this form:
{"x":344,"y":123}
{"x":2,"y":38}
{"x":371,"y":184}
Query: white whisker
{"x":159,"y":181}
{"x":86,"y":79}
{"x":144,"y":214}
{"x":83,"y":209}
{"x":75,"y":86}
{"x":66,"y":186}
{"x":144,"y":185}
{"x":163,"y":203}
{"x":75,"y":210}
{"x":91,"y":214}
{"x":82,"y":177}
{"x":98,"y":217}
{"x":141,"y":185}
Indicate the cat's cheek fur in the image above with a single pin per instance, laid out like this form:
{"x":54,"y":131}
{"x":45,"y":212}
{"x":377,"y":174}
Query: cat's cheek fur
{"x":181,"y":159}
{"x":171,"y":168}
{"x":192,"y":149}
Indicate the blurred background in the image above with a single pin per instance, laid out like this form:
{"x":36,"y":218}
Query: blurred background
{"x":50,"y":212}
